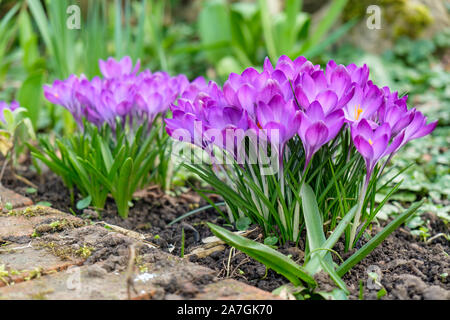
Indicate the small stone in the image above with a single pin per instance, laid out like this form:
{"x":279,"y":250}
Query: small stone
{"x":95,"y":271}
{"x":436,"y":293}
{"x":188,"y":289}
{"x":90,"y":214}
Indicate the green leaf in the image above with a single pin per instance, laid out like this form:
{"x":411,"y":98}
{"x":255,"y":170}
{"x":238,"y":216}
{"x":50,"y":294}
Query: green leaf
{"x":84,"y":203}
{"x":381,"y":293}
{"x":30,"y":190}
{"x":122,"y":192}
{"x":30,"y":95}
{"x":266,"y":22}
{"x":188,"y":214}
{"x":313,"y":218}
{"x":214,"y":27}
{"x":376,"y":240}
{"x":335,"y":294}
{"x":326,"y":23}
{"x":243,"y":223}
{"x":328,"y":268}
{"x":313,"y":264}
{"x":328,"y":41}
{"x":44,"y":203}
{"x":41,"y":20}
{"x":9,"y":119}
{"x":269,"y":257}
{"x":271,"y":241}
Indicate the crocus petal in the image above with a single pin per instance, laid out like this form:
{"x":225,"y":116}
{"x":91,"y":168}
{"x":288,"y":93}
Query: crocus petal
{"x":268,"y":65}
{"x":301,"y":98}
{"x":379,"y":146}
{"x":246,"y":98}
{"x":316,"y":134}
{"x":328,"y":100}
{"x":364,"y":148}
{"x":315,"y":112}
{"x":364,"y":129}
{"x":340,"y":80}
{"x":425,"y":130}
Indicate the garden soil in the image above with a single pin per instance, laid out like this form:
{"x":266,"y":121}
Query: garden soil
{"x":402,"y":267}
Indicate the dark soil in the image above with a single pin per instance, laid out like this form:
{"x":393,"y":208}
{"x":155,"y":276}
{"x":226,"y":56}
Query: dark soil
{"x":407,"y":268}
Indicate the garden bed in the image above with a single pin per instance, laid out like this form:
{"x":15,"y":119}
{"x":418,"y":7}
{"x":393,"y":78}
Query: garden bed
{"x":408,"y":267}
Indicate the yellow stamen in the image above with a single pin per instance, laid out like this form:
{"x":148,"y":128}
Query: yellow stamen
{"x":358,"y":111}
{"x":56,"y":95}
{"x":370,"y":141}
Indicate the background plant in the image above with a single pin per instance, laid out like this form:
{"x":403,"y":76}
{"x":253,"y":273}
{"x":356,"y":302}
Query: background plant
{"x":99,"y":162}
{"x":120,"y":145}
{"x":12,"y":120}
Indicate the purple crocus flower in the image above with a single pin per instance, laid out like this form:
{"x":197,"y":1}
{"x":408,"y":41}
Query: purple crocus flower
{"x":417,"y":128}
{"x":192,"y":89}
{"x":395,"y":111}
{"x":112,"y":68}
{"x":155,"y":94}
{"x":374,"y":144}
{"x":62,"y":92}
{"x":364,"y":103}
{"x":279,"y":115}
{"x":122,"y":92}
{"x":358,"y":75}
{"x":222,"y":129}
{"x":318,"y":86}
{"x":4,"y":105}
{"x":119,"y":96}
{"x":317,"y":128}
{"x":392,"y":97}
{"x":292,"y":69}
{"x":241,"y":90}
{"x":186,"y":127}
{"x":396,"y":115}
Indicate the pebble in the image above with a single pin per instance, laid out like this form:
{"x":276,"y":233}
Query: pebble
{"x":436,"y":293}
{"x":95,"y":271}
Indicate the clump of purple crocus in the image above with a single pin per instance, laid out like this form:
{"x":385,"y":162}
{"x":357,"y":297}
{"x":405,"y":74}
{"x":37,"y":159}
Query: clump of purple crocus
{"x":122,"y":93}
{"x":303,"y":101}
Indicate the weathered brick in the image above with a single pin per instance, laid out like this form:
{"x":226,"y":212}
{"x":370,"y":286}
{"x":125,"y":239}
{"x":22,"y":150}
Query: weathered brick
{"x":71,"y":284}
{"x":14,"y":199}
{"x":22,"y":222}
{"x":25,"y":262}
{"x":230,"y":289}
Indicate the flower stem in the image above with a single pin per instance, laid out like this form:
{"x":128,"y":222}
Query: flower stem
{"x":5,"y":163}
{"x":361,"y":198}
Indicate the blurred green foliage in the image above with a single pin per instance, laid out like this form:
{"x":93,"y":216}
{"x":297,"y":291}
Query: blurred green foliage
{"x":242,"y":34}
